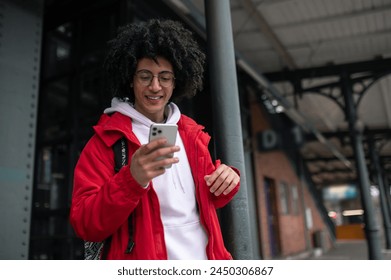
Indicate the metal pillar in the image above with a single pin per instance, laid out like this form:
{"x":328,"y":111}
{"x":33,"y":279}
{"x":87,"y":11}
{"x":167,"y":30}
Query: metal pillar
{"x":383,"y":199}
{"x":387,"y":192}
{"x":228,"y":131}
{"x":371,"y":227}
{"x":20,"y":48}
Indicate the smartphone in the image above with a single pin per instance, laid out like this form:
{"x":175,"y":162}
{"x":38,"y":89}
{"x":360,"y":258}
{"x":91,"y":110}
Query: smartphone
{"x":164,"y":130}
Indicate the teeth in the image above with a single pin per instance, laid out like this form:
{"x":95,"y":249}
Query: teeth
{"x":153,"y":97}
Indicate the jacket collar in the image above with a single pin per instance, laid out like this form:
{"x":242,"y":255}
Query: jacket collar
{"x":110,"y":128}
{"x":192,"y":130}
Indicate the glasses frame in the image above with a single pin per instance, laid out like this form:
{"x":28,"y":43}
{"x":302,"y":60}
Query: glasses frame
{"x":158,"y":76}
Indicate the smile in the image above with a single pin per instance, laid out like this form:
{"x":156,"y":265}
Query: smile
{"x":154,"y":97}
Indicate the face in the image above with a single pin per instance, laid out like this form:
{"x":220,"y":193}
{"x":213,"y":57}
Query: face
{"x":151,"y":100}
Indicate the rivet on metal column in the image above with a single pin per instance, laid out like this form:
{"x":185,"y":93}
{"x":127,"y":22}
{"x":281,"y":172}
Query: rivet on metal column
{"x":20,"y":48}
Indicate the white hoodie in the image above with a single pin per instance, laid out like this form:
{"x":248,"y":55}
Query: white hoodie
{"x":184,"y":235}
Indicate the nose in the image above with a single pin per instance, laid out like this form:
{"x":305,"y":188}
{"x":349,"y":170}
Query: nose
{"x":155,"y":84}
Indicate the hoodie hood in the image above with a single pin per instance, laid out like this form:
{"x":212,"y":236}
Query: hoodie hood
{"x":140,"y":123}
{"x":126,"y":108}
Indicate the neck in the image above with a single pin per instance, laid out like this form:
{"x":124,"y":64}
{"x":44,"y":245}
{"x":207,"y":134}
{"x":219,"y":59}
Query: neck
{"x":159,"y":119}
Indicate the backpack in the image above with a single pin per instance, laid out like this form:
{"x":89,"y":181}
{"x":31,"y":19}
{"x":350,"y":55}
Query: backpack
{"x":99,"y":250}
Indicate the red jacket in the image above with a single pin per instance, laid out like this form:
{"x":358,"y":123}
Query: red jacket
{"x":102,"y":199}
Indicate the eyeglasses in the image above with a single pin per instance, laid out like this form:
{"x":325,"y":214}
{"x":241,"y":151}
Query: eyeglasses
{"x":145,"y":77}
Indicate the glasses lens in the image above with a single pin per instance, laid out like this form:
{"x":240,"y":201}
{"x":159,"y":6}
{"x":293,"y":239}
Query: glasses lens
{"x":145,"y":78}
{"x":166,"y":79}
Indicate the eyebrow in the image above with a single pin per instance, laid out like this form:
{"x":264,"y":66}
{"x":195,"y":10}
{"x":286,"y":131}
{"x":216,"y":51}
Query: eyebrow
{"x":164,"y":71}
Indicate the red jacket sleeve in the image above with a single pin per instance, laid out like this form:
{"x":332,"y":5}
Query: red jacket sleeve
{"x":102,"y":199}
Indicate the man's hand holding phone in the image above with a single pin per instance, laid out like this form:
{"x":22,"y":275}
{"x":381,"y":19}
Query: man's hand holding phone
{"x":166,"y":131}
{"x":152,"y":159}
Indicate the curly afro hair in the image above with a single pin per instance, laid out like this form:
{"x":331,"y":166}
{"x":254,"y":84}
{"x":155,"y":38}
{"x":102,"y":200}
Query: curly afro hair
{"x":165,"y":38}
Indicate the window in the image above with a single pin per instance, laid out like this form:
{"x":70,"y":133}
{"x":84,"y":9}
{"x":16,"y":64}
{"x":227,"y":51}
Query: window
{"x":295,"y":200}
{"x":284,"y":194}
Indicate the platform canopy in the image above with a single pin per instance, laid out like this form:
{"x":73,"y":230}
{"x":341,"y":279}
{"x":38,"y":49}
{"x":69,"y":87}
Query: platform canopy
{"x":302,"y":48}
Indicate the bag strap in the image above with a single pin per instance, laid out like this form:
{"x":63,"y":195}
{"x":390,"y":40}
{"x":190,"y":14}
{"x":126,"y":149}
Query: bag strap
{"x":120,"y":149}
{"x":120,"y":154}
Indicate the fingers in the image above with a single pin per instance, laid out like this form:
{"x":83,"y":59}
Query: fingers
{"x":149,"y":160}
{"x":143,"y":174}
{"x":223,"y":180}
{"x":151,"y":146}
{"x":162,"y":156}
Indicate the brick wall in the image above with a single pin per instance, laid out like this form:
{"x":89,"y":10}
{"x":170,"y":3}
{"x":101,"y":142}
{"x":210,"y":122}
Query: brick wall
{"x":290,"y":233}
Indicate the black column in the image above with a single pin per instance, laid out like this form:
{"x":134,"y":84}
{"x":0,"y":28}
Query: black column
{"x":371,"y":227}
{"x":387,"y":191}
{"x":227,"y":123}
{"x":383,"y":199}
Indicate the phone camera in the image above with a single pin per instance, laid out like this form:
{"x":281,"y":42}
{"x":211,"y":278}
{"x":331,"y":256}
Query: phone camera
{"x":156,"y":131}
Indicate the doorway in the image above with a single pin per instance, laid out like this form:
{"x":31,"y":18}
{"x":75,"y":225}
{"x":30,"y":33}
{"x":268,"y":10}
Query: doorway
{"x":272,"y":217}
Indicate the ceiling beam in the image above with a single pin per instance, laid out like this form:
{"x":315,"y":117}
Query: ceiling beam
{"x":332,"y":171}
{"x":328,"y":19}
{"x":374,"y":133}
{"x":384,"y":158}
{"x":325,"y":159}
{"x":375,"y":65}
{"x":268,"y":32}
{"x":380,"y":34}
